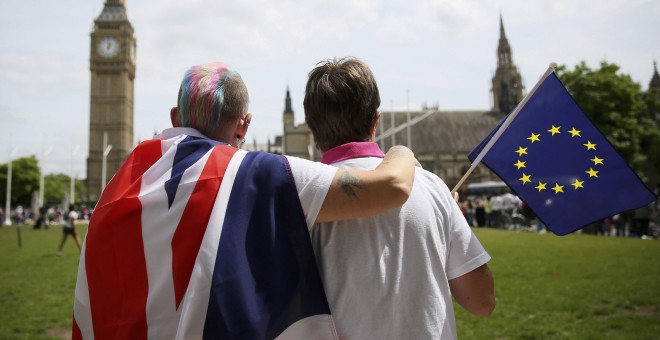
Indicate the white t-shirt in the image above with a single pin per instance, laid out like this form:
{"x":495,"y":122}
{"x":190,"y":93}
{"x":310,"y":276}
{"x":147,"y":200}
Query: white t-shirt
{"x":72,"y":216}
{"x":386,"y":277}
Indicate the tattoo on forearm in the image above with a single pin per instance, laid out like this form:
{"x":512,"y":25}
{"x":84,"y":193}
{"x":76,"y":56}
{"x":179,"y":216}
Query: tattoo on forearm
{"x":347,"y":181}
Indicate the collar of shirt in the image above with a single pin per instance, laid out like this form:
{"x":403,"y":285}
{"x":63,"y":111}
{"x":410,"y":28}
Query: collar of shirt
{"x":173,"y":132}
{"x":352,"y":150}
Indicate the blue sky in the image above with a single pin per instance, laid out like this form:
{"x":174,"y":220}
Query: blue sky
{"x":421,"y":51}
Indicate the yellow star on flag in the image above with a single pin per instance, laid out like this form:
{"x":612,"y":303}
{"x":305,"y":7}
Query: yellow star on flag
{"x":519,"y":164}
{"x":521,"y":151}
{"x":592,"y":173}
{"x":554,"y":130}
{"x":597,"y":160}
{"x":525,"y":178}
{"x":577,"y":184}
{"x":590,"y":146}
{"x":534,"y":137}
{"x":574,"y":132}
{"x":558,"y":188}
{"x":541,"y":186}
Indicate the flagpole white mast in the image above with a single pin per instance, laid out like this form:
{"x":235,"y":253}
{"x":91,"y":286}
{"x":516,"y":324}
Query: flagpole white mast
{"x":503,"y":127}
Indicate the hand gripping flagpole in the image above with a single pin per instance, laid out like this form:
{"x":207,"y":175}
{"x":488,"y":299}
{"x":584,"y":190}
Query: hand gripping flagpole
{"x":503,"y":127}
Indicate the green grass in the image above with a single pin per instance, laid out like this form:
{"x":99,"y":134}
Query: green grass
{"x":547,"y":287}
{"x":36,"y":287}
{"x":570,"y":287}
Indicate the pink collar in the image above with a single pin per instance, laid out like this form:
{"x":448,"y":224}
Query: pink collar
{"x":352,"y":150}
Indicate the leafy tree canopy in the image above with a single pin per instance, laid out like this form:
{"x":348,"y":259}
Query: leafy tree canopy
{"x":25,"y":180}
{"x":620,"y":109}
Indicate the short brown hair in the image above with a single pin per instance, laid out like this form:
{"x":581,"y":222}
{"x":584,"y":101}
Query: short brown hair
{"x":341,"y":102}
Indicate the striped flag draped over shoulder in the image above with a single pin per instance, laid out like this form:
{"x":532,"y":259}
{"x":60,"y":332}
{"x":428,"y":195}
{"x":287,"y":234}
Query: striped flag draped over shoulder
{"x":195,"y":239}
{"x":554,"y":158}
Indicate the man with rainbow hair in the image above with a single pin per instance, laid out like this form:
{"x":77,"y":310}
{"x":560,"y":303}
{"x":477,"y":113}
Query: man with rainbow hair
{"x":195,"y":238}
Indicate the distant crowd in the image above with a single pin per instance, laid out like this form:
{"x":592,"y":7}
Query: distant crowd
{"x":507,"y":211}
{"x":43,"y":217}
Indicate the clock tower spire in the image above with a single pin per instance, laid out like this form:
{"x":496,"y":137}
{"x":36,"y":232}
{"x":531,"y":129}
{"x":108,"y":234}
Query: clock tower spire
{"x":112,"y":66}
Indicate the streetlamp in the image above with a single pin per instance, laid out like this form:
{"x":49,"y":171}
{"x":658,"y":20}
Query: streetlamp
{"x":41,"y":176}
{"x":106,"y":151}
{"x":73,"y":178}
{"x":8,"y":202}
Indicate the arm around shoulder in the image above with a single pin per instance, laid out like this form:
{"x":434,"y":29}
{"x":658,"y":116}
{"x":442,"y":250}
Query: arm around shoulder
{"x":355,"y":193}
{"x":475,"y":291}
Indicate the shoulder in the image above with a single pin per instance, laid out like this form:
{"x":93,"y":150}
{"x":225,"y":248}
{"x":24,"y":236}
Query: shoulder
{"x":307,"y":168}
{"x":428,"y":179}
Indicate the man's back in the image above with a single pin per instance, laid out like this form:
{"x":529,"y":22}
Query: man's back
{"x":387,"y":276}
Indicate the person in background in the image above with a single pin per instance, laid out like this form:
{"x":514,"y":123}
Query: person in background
{"x":69,"y":229}
{"x":390,"y":276}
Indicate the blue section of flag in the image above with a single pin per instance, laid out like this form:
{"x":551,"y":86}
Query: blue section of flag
{"x":265,"y":275}
{"x":188,"y":152}
{"x":561,"y":165}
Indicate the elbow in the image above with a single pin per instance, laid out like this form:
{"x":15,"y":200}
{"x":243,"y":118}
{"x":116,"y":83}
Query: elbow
{"x":400,"y":192}
{"x":486,"y":308}
{"x":402,"y":185}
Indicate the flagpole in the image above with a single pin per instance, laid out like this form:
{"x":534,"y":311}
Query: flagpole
{"x":504,"y":125}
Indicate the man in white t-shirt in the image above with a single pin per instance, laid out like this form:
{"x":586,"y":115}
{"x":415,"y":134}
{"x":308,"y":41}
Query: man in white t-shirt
{"x":390,"y":276}
{"x":194,"y":237}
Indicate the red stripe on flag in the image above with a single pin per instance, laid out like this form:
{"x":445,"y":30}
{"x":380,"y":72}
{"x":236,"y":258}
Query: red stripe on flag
{"x":117,"y":280}
{"x":189,"y":234}
{"x":76,"y":333}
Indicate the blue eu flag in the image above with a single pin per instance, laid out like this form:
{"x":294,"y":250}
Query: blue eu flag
{"x":554,"y":158}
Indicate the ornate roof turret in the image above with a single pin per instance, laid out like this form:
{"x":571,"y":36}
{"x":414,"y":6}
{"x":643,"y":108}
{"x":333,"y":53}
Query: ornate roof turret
{"x":503,"y":47}
{"x":655,"y":79}
{"x":507,"y":88}
{"x":287,"y":102}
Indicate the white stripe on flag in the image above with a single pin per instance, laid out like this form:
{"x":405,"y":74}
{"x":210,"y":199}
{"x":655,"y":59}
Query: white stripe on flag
{"x":196,"y":300}
{"x":158,"y":226}
{"x":82,"y":311}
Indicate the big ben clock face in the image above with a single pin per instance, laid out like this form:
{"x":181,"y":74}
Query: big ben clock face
{"x":108,"y":47}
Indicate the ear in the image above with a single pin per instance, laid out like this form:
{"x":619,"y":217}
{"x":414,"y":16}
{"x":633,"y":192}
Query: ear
{"x":374,"y":126}
{"x":242,"y":126}
{"x":174,"y":117}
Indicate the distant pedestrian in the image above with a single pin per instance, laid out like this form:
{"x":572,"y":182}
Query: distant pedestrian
{"x":480,"y":212}
{"x":69,"y":228}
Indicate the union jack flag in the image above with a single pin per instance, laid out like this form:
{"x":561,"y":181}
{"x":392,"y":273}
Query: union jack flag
{"x":196,"y":239}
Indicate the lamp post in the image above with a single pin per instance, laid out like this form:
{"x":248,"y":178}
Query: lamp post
{"x":408,"y":118}
{"x":8,"y":202}
{"x":106,"y":151}
{"x":41,"y":176}
{"x":72,"y":177}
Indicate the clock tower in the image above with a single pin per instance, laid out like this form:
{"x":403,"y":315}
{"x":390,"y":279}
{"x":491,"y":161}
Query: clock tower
{"x":112,"y":66}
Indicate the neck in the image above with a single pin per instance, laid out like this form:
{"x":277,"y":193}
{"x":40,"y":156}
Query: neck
{"x":352,"y":150}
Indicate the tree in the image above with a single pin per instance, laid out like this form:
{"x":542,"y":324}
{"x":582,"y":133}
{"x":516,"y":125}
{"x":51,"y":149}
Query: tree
{"x":55,"y":185}
{"x":25,"y":180}
{"x":618,"y":107}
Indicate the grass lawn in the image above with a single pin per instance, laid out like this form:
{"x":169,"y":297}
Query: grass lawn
{"x":569,"y":287}
{"x":547,"y":287}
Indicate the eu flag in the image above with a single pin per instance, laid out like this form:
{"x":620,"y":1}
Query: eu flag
{"x":554,"y":158}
